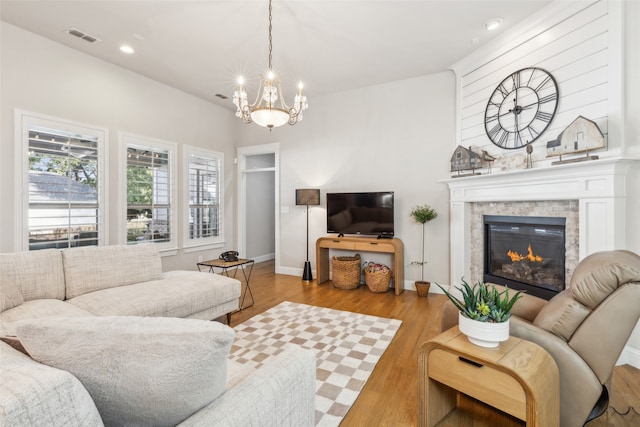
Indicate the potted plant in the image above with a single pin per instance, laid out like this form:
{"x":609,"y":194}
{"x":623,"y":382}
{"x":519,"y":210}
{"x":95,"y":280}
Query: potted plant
{"x":423,"y":214}
{"x":484,"y":312}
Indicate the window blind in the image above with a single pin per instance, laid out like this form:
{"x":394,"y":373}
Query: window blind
{"x":64,"y":208}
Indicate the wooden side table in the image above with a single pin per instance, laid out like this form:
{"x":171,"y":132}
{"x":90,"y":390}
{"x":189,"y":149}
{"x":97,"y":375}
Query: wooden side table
{"x":225,"y":266}
{"x":518,"y":378}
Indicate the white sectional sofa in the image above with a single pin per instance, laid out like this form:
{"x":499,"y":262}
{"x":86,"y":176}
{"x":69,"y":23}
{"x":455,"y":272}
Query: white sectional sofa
{"x":102,"y":287}
{"x":108,"y":280}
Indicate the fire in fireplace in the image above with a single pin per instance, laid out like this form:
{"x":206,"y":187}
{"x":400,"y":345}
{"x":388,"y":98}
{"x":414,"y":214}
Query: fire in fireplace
{"x":525,"y":253}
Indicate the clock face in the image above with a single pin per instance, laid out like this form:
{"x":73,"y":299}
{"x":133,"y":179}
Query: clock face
{"x":521,"y":108}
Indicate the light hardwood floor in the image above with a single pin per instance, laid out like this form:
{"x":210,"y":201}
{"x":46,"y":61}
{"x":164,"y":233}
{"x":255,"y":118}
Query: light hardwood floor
{"x":389,"y":397}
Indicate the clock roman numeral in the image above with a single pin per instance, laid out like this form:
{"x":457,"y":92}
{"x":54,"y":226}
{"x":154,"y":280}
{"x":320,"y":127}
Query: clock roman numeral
{"x":542,"y":116}
{"x":533,"y":132}
{"x":494,"y":131}
{"x":543,"y":83}
{"x":517,"y":139}
{"x":515,"y":80}
{"x":490,"y":119}
{"x":548,"y":98}
{"x":503,"y":90}
{"x":504,"y":138}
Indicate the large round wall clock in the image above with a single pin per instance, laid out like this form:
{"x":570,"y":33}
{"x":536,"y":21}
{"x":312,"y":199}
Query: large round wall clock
{"x":521,"y":108}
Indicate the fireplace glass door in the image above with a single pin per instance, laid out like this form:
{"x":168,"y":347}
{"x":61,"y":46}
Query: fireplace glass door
{"x":525,"y":253}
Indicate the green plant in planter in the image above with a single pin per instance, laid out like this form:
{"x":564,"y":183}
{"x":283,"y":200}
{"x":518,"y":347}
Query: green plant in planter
{"x":423,"y":214}
{"x":483,"y":302}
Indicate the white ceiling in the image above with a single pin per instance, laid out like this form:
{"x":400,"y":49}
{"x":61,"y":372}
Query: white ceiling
{"x":332,"y":45}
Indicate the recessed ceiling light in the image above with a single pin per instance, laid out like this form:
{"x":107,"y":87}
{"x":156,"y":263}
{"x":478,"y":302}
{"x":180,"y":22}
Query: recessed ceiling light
{"x":492,"y":23}
{"x":127,"y":49}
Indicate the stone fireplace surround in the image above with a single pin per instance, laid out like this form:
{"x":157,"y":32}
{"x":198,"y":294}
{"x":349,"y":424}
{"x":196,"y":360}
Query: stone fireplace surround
{"x":567,"y":209}
{"x":598,"y":188}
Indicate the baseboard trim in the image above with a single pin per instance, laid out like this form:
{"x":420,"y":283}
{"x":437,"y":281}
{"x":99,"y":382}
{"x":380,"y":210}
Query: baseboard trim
{"x":263,"y":258}
{"x":629,"y":356}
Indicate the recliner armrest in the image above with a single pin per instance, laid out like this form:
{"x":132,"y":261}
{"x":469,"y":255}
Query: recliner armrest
{"x":579,"y":386}
{"x":281,"y":392}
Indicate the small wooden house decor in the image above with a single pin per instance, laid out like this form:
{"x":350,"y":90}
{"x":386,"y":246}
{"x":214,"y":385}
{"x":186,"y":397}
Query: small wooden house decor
{"x":465,"y":159}
{"x":581,"y":136}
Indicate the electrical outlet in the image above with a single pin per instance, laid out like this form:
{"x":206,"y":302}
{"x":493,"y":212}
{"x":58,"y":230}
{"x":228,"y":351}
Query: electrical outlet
{"x":199,"y":258}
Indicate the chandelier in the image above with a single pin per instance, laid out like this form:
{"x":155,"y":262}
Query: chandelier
{"x":266,"y":110}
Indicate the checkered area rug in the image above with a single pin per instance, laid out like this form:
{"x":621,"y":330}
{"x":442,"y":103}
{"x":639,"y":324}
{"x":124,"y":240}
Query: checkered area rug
{"x":347,"y":346}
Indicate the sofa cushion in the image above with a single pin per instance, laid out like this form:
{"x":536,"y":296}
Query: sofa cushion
{"x":561,"y":315}
{"x":10,"y":296}
{"x":32,"y":394}
{"x":93,"y":268}
{"x":178,"y":294}
{"x":601,"y":273}
{"x":37,"y":309}
{"x":139,"y":370}
{"x":37,"y":274}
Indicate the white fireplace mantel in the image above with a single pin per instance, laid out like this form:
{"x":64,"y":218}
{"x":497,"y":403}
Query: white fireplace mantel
{"x":599,"y":186}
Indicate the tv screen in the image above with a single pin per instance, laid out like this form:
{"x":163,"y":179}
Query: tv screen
{"x":368,"y":213}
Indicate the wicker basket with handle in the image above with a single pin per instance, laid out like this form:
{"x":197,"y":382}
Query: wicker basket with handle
{"x":346,"y":271}
{"x":377,"y":279}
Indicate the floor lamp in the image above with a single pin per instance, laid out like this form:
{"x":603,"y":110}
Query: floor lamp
{"x":307,"y":197}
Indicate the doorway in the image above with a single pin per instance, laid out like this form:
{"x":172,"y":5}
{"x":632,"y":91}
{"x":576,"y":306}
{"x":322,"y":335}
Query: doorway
{"x":258,"y":202}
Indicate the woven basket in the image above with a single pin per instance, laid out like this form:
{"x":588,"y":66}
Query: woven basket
{"x":346,"y":271}
{"x":377,"y":281}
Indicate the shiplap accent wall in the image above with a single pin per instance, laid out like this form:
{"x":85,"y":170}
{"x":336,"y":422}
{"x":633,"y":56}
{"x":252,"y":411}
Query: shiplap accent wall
{"x":571,"y":40}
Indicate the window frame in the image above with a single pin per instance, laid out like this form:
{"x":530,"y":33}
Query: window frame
{"x":205,"y":243}
{"x":23,"y":121}
{"x":129,"y":140}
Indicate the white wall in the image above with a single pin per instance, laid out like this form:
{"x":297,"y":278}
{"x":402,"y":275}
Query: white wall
{"x":388,"y":137}
{"x":631,"y":13}
{"x":44,"y":77}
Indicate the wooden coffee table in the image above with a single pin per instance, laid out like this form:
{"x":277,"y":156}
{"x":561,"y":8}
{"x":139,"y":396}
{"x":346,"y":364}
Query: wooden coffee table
{"x":518,"y":378}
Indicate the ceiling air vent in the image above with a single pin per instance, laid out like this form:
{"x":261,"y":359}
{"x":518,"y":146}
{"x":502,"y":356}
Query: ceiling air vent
{"x":82,"y":35}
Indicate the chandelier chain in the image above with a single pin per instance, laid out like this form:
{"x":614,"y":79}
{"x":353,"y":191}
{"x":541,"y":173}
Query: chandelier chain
{"x":266,"y":110}
{"x":270,"y":38}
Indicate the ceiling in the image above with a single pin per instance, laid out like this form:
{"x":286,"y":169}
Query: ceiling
{"x":200,"y":47}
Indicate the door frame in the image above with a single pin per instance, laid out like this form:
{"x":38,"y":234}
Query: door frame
{"x":243,"y":153}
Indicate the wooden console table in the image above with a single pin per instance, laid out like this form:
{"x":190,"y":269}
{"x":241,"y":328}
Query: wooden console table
{"x":361,"y":244}
{"x":518,"y":378}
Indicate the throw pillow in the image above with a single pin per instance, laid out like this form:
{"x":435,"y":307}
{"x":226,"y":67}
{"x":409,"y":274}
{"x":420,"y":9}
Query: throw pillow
{"x":143,"y":371}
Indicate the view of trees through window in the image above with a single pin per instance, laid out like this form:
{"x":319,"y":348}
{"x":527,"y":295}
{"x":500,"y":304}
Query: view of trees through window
{"x":204,"y":191}
{"x":64,"y":206}
{"x":148,"y":195}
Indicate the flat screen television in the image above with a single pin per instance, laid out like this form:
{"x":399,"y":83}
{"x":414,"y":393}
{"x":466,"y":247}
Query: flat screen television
{"x":369,"y":213}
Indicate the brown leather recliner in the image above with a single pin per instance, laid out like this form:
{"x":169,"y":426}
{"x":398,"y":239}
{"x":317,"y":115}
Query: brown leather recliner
{"x":584,"y":328}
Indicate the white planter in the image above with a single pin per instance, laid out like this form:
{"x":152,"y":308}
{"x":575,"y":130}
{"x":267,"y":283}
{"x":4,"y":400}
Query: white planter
{"x":484,"y":334}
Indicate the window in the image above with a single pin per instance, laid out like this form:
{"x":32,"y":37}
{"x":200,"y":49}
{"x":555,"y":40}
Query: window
{"x":149,"y":191}
{"x":63,"y":184}
{"x":203,"y":204}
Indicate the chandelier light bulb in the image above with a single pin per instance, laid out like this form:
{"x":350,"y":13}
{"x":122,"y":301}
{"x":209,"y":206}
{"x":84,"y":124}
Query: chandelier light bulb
{"x":240,"y":80}
{"x":271,"y":75}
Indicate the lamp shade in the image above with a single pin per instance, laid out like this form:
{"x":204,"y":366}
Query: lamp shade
{"x":308,"y":196}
